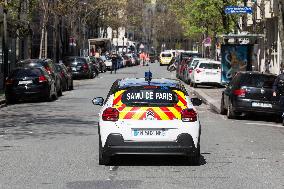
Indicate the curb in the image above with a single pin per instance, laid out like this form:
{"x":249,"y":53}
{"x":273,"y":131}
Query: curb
{"x":207,"y":100}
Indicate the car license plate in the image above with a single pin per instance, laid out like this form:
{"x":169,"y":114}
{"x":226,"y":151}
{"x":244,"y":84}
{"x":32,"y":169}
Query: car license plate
{"x":74,"y":69}
{"x":25,"y":82}
{"x":262,"y":105}
{"x":148,"y":132}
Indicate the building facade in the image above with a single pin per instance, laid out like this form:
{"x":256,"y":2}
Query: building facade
{"x":265,"y":20}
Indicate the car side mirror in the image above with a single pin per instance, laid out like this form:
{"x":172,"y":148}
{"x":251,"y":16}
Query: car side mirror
{"x":196,"y":101}
{"x":98,"y":101}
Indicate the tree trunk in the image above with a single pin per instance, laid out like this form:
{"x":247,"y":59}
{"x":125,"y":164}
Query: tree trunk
{"x":43,"y":29}
{"x":41,"y":41}
{"x":281,"y":32}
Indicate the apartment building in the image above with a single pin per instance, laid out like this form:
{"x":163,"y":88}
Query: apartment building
{"x":265,"y":20}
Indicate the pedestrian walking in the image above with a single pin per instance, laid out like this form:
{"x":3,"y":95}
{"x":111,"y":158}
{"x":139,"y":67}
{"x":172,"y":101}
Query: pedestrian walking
{"x":114,"y":63}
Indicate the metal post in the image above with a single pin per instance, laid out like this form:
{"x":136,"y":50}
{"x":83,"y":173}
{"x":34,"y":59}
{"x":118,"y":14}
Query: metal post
{"x":5,"y":42}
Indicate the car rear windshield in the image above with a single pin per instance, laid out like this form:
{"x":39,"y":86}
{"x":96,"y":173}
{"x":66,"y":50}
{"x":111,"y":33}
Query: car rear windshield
{"x":258,"y":80}
{"x":149,"y":97}
{"x":209,"y":66}
{"x":20,"y":73}
{"x":75,"y":61}
{"x":166,"y":55}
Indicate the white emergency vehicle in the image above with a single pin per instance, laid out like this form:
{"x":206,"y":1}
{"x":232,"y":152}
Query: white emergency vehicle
{"x":148,"y":116}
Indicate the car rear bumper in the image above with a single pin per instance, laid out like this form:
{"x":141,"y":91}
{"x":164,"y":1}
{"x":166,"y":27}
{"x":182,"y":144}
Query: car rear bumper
{"x":28,"y":93}
{"x":80,"y":74}
{"x":116,"y":145}
{"x":245,"y":105}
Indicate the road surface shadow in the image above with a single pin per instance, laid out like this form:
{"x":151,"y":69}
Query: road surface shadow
{"x":152,"y":160}
{"x":210,"y":87}
{"x":262,"y":117}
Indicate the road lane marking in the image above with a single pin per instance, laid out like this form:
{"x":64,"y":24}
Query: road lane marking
{"x":265,"y":124}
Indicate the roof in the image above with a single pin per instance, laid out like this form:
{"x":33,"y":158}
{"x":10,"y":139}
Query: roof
{"x":136,"y":82}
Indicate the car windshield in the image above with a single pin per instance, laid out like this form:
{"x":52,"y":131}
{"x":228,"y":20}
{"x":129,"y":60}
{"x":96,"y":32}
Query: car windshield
{"x":194,"y":63}
{"x":20,"y":73}
{"x":258,"y":80}
{"x":166,"y":55}
{"x":149,"y":97}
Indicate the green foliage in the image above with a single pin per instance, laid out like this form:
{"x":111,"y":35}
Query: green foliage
{"x":203,"y":16}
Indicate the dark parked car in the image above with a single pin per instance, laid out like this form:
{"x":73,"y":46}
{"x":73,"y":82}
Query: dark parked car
{"x":29,"y":83}
{"x":250,"y":92}
{"x":48,"y":65}
{"x":79,"y":67}
{"x":127,"y":60}
{"x":99,"y":64}
{"x":66,"y":76}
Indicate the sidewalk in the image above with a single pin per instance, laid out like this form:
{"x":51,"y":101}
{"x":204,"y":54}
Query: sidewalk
{"x":209,"y":95}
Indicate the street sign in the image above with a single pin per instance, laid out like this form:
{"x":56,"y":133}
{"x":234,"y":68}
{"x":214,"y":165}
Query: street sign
{"x":238,"y":10}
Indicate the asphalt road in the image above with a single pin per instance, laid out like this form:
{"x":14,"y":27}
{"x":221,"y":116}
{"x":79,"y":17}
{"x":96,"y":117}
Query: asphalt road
{"x":55,"y":145}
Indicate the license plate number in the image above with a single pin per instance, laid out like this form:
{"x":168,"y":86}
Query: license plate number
{"x":262,"y":105}
{"x":148,"y":132}
{"x":25,"y":82}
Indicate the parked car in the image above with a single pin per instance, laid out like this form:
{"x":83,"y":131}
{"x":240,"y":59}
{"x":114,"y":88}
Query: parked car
{"x":131,"y":58}
{"x":99,"y":63}
{"x":66,"y":76}
{"x":127,"y":60}
{"x":29,"y":83}
{"x":181,"y":66}
{"x":107,"y":61}
{"x":250,"y":92}
{"x":153,"y":57}
{"x":120,"y":61}
{"x":136,"y":59}
{"x":79,"y":66}
{"x":48,"y":65}
{"x":207,"y":72}
{"x":190,"y":65}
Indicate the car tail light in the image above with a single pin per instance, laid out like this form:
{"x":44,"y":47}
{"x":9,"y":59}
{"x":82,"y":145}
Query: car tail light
{"x":48,"y":69}
{"x":198,"y":71}
{"x":42,"y":79}
{"x":110,"y":114}
{"x":9,"y":82}
{"x":240,"y":92}
{"x":188,"y":115}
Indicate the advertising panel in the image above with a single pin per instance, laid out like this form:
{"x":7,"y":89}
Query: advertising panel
{"x":234,"y":58}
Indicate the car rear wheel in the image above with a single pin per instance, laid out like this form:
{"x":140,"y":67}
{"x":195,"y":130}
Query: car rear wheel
{"x":283,"y":121}
{"x":103,"y":159}
{"x":59,"y":92}
{"x":222,"y":106}
{"x":71,"y":87}
{"x":195,"y":160}
{"x":49,"y":97}
{"x":10,"y":100}
{"x":230,"y":112}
